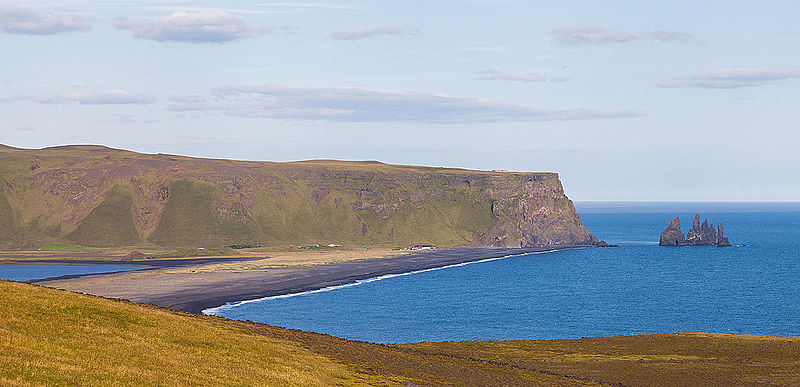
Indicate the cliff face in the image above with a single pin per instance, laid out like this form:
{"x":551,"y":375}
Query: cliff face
{"x":97,"y":196}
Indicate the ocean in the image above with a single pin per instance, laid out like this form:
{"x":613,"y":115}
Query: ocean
{"x":36,"y":272}
{"x":638,"y":288}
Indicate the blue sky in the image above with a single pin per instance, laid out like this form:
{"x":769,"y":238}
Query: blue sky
{"x":626,"y":100}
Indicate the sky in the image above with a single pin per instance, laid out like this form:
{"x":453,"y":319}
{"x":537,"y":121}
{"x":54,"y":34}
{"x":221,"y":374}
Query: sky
{"x":626,"y":100}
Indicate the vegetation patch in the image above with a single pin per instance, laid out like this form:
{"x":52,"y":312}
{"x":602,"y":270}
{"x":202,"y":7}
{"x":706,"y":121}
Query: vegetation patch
{"x":7,"y":229}
{"x":110,"y":223}
{"x":190,"y":219}
{"x":65,"y":247}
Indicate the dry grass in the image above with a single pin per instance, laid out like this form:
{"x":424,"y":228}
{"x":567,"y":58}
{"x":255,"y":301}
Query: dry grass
{"x":677,"y":359}
{"x":283,"y":258}
{"x":51,"y":337}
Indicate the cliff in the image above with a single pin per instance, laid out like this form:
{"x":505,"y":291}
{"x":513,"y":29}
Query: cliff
{"x":97,"y":196}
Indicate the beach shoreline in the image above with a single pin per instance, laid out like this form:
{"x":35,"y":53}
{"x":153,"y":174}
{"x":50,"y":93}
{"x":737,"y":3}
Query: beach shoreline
{"x":324,"y":276}
{"x":226,"y":288}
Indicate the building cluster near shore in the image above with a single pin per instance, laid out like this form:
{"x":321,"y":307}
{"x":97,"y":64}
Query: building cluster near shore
{"x":416,"y":247}
{"x":316,"y":246}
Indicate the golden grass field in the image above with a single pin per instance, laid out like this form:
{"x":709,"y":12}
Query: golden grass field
{"x":50,"y":337}
{"x":55,"y":337}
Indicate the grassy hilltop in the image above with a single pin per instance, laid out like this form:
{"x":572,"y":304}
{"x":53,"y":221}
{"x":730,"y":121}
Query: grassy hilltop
{"x":97,"y":196}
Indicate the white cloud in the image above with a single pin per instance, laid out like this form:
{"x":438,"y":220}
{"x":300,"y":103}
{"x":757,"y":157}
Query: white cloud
{"x":92,"y":97}
{"x":17,"y":20}
{"x":120,"y":118}
{"x":372,"y":105}
{"x":312,"y":5}
{"x":363,"y":34}
{"x":497,"y":75}
{"x":669,"y":36}
{"x":731,"y":78}
{"x":192,"y":27}
{"x":598,"y":35}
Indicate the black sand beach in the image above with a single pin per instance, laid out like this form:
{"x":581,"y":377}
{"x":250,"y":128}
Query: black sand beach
{"x":197,"y":299}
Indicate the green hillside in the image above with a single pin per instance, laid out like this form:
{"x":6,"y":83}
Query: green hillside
{"x":110,"y":223}
{"x":97,"y":196}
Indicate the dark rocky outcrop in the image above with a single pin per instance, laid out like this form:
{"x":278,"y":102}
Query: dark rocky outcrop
{"x":606,"y":244}
{"x":698,"y":235}
{"x":672,"y":235}
{"x":722,"y":240}
{"x":701,"y":234}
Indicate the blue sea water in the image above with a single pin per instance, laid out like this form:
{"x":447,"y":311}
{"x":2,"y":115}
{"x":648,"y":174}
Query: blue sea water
{"x":637,"y":288}
{"x":36,"y":272}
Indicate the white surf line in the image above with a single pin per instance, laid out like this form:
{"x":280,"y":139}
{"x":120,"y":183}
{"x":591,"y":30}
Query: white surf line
{"x":216,"y":310}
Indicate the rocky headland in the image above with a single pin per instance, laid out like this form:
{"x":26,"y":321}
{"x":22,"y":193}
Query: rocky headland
{"x":698,"y":235}
{"x":98,"y":196}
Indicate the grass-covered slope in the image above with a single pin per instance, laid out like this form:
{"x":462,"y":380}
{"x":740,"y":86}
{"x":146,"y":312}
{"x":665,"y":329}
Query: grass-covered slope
{"x":51,"y":337}
{"x":97,"y":196}
{"x":110,"y":223}
{"x":189,"y":217}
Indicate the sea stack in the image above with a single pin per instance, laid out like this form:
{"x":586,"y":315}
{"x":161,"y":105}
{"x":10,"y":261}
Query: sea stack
{"x":673,"y":236}
{"x":701,"y":234}
{"x":698,"y":235}
{"x":722,"y":241}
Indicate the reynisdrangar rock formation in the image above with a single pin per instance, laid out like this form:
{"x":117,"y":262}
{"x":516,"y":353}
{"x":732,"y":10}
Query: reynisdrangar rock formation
{"x":698,"y":235}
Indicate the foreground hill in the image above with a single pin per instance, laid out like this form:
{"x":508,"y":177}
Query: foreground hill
{"x":53,"y":337}
{"x":97,"y":196}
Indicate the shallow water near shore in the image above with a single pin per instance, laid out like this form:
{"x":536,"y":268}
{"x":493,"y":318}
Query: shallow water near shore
{"x":637,"y":288}
{"x":38,"y":272}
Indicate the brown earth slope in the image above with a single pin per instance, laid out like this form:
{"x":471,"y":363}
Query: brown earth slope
{"x":97,"y":196}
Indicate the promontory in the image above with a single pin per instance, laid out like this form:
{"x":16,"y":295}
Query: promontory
{"x":97,"y":196}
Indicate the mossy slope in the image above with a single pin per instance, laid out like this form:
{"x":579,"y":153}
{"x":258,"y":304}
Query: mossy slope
{"x":110,"y":223}
{"x":189,"y":218}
